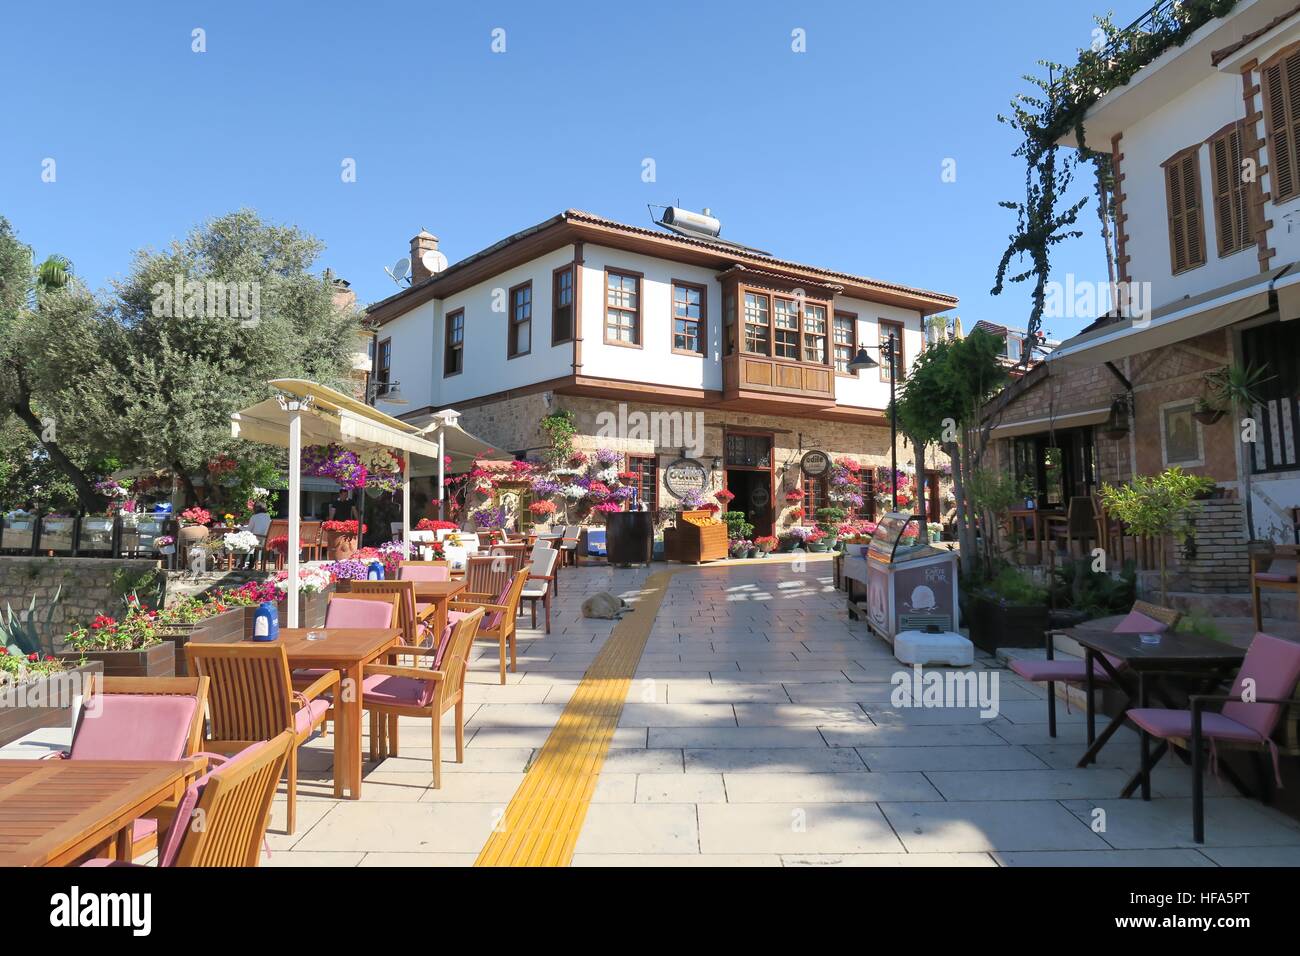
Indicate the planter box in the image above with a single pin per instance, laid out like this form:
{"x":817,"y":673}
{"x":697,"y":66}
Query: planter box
{"x":311,"y":612}
{"x":156,"y":661}
{"x":224,"y":628}
{"x":993,"y":626}
{"x":18,"y":720}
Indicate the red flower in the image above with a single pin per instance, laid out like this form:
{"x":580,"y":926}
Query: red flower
{"x":101,"y":622}
{"x":33,"y":657}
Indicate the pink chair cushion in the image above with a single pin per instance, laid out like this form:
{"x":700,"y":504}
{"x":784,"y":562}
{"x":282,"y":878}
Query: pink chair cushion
{"x":1061,"y":670}
{"x":444,"y":642}
{"x":1138,"y":623}
{"x":1178,"y":723}
{"x":1275,"y":577}
{"x":423,"y":573}
{"x":306,"y":716}
{"x":1274,"y":664}
{"x":491,"y":620}
{"x":398,"y":691}
{"x":168,"y":850}
{"x":354,"y":612}
{"x":310,"y":674}
{"x":142,"y":828}
{"x":135,"y":727}
{"x":100,"y":861}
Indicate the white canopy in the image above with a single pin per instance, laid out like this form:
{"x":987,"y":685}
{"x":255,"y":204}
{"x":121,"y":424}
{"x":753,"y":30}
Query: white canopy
{"x":307,"y":412}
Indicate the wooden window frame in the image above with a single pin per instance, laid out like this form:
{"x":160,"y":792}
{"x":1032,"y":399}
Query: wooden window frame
{"x":797,"y":313}
{"x":852,"y":318}
{"x":638,"y":312}
{"x":808,"y":484}
{"x":1177,"y":165}
{"x":1235,"y":232}
{"x":447,"y":344}
{"x":745,"y":323}
{"x":566,"y":269}
{"x":513,"y":322}
{"x":384,"y":368}
{"x":883,"y":325}
{"x":1288,"y":156}
{"x":828,"y":320}
{"x":653,"y":505}
{"x":702,"y":323}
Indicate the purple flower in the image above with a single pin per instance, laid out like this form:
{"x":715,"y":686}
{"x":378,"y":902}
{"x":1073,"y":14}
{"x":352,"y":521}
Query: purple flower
{"x":349,"y":570}
{"x":607,"y":456}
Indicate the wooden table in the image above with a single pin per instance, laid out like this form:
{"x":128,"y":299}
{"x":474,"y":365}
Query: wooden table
{"x":347,"y":650}
{"x":439,"y":594}
{"x":52,"y":812}
{"x":1205,"y":659}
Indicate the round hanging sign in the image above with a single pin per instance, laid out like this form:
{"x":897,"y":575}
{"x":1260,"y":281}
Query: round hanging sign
{"x":685,"y":474}
{"x":814,"y":464}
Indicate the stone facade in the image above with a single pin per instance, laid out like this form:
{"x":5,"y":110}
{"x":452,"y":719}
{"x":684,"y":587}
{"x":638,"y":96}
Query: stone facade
{"x":84,"y":586}
{"x":513,"y":424}
{"x":1221,"y":564}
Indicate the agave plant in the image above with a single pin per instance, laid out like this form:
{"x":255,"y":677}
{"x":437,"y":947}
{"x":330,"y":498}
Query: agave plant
{"x":1240,"y":387}
{"x":19,"y":632}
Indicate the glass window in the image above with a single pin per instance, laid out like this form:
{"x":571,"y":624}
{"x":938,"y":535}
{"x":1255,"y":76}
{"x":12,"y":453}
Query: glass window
{"x":751,"y":451}
{"x":757,"y":324}
{"x":845,"y":341}
{"x":646,"y":469}
{"x":787,"y":329}
{"x":453,"y":360}
{"x":814,"y":333}
{"x":562,"y":306}
{"x":689,"y":331}
{"x":521,"y":320}
{"x":886,"y":367}
{"x":622,"y":308}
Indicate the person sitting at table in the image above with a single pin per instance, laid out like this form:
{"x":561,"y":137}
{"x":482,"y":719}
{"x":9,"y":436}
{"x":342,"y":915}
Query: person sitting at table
{"x":259,"y":524}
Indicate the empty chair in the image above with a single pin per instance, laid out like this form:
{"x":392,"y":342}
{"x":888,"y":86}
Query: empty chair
{"x":424,"y":571}
{"x":141,"y":718}
{"x":1081,"y":524}
{"x":1267,"y":678}
{"x":233,"y":802}
{"x":500,"y":612}
{"x":541,"y":580}
{"x":409,"y":618}
{"x":391,"y":692}
{"x":1281,"y":575}
{"x":568,"y":544}
{"x":361,"y":610}
{"x":251,"y":698}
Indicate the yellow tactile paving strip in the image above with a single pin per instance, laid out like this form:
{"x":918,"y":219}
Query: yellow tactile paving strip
{"x":544,"y":817}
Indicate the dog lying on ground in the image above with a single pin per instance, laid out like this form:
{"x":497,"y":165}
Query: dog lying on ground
{"x":605,"y":606}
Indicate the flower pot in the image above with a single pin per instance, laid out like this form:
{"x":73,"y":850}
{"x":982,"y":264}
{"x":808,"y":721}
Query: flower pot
{"x":224,"y":628}
{"x":1208,"y":416}
{"x":752,"y":553}
{"x":157,"y":660}
{"x":190,"y":535}
{"x":993,"y":625}
{"x":44,"y":702}
{"x":817,"y":547}
{"x":340,"y":546}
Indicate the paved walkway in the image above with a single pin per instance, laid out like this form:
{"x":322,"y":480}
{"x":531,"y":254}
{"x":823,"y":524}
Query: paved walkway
{"x":759,"y":730}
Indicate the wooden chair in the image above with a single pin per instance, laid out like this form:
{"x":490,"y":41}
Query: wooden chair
{"x":541,"y":581}
{"x":424,"y":571}
{"x":391,"y":692}
{"x":1080,"y":525}
{"x":413,"y":623}
{"x":233,"y":803}
{"x":501,"y":609}
{"x":1266,"y":579}
{"x":141,"y":718}
{"x":488,"y":574}
{"x":516,"y":552}
{"x":252,"y":699}
{"x":279,"y":527}
{"x":309,"y":537}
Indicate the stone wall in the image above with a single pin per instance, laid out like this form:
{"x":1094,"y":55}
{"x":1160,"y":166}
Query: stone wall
{"x":1221,"y":565}
{"x":84,"y":587}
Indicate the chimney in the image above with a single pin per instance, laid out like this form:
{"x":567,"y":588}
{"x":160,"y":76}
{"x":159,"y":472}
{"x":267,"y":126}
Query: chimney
{"x":342,"y":294}
{"x":422,"y":243}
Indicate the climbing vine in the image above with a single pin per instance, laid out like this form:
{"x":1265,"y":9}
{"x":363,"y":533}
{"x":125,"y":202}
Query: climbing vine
{"x":561,"y":427}
{"x":1057,"y":109}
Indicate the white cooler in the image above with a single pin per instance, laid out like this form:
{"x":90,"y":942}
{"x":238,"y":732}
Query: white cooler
{"x":922,"y":647}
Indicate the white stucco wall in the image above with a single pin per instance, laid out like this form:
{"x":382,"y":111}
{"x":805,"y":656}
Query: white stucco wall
{"x":866,"y":389}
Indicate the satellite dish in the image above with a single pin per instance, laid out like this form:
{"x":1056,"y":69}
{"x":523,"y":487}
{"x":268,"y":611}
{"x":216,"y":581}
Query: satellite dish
{"x":434,"y":261}
{"x":400,"y":271}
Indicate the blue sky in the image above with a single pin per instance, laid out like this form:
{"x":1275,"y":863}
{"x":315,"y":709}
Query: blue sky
{"x":831,"y":157}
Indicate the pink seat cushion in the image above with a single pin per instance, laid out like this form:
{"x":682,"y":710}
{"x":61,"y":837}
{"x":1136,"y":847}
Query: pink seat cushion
{"x":1274,"y":665}
{"x":142,"y":828}
{"x":134,"y":727}
{"x":309,"y":674}
{"x":1063,"y":671}
{"x":1138,"y":623}
{"x":421,"y":573}
{"x":170,"y":848}
{"x":306,"y":716}
{"x":355,"y":612}
{"x":1275,"y":577}
{"x":398,"y":691}
{"x":1178,"y":723}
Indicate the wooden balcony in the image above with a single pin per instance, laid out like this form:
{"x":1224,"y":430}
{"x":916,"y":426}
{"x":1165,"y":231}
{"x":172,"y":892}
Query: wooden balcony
{"x":758,"y":381}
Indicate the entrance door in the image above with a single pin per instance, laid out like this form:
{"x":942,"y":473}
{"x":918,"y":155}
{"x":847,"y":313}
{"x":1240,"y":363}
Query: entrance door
{"x":753,"y":491}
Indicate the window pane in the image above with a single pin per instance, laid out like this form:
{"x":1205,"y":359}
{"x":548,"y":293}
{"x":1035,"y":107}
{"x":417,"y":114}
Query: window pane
{"x":757,"y":317}
{"x":523,"y":337}
{"x":814,"y":349}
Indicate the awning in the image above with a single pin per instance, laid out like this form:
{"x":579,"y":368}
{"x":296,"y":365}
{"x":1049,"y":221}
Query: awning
{"x":1176,"y":322}
{"x":459,"y":445}
{"x":1288,"y":296}
{"x":1032,"y":426}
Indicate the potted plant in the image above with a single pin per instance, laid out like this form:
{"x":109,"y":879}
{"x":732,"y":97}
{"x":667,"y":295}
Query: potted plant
{"x":765,"y":544}
{"x":341,"y":538}
{"x":218,"y":619}
{"x":1207,"y":413}
{"x":314,"y":586}
{"x":130,"y":647}
{"x":1156,"y":507}
{"x":165,"y":543}
{"x":194,"y":528}
{"x":1009,"y":610}
{"x":829,"y":520}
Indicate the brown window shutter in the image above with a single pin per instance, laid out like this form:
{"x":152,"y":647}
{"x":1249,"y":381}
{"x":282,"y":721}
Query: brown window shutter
{"x":1281,"y":139}
{"x":1231,"y":193}
{"x":1177,"y":242}
{"x":1186,"y":223}
{"x":1192,"y":222}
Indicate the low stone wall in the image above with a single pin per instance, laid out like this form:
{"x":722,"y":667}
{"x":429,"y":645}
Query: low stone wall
{"x":84,"y":586}
{"x":1221,"y":565}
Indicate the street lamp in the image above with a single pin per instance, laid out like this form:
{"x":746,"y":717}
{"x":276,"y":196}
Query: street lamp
{"x":388,"y":392}
{"x":862,"y":361}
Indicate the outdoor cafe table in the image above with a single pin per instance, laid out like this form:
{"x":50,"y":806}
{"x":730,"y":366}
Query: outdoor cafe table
{"x":1206,"y":660}
{"x":53,"y":812}
{"x":347,"y":650}
{"x":439,"y":594}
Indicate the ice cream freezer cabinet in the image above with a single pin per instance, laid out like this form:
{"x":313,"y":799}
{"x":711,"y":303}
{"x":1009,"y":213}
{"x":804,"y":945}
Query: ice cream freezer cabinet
{"x":908,"y":584}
